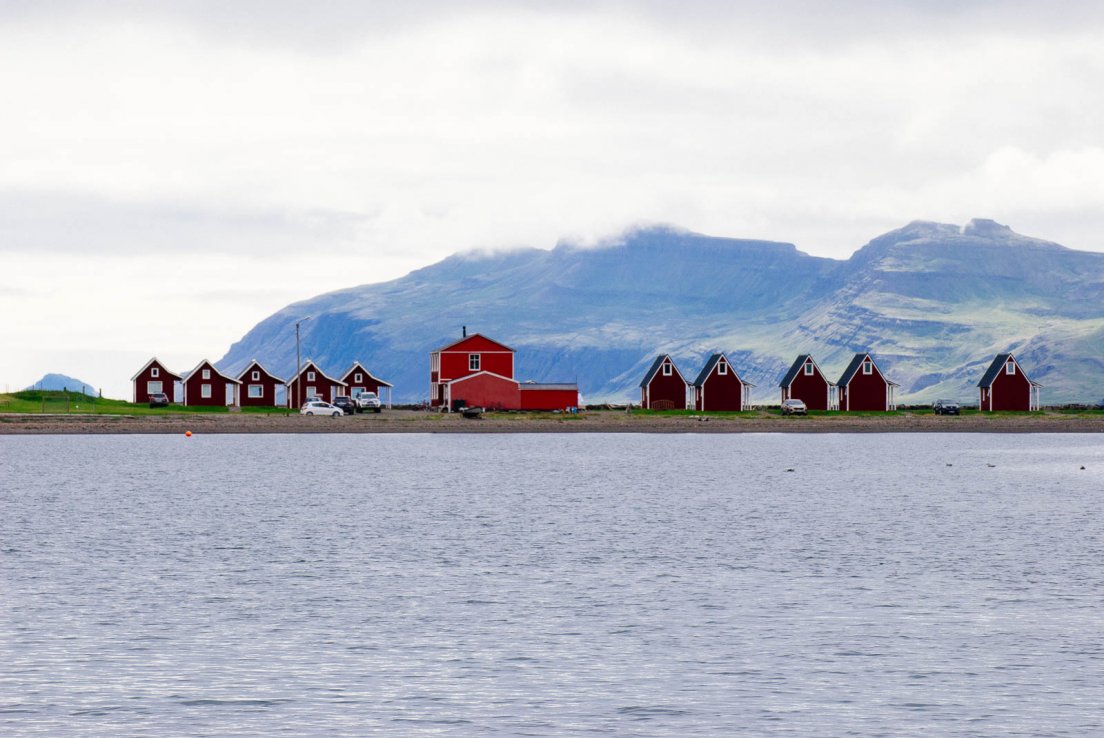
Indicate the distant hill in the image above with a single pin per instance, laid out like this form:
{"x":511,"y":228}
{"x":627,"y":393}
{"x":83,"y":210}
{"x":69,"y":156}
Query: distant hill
{"x":933,"y":302}
{"x":62,"y":382}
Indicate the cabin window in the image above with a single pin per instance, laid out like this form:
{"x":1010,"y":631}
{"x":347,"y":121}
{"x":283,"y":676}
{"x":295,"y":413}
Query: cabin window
{"x":256,"y":376}
{"x":256,"y":391}
{"x":809,"y":369}
{"x":205,"y":391}
{"x":311,"y":392}
{"x":666,"y":370}
{"x":155,"y":372}
{"x":473,"y":362}
{"x":722,"y":368}
{"x":356,"y":391}
{"x":1010,"y":368}
{"x":153,"y":387}
{"x":868,"y":367}
{"x":206,"y":373}
{"x":310,"y":376}
{"x":358,"y":378}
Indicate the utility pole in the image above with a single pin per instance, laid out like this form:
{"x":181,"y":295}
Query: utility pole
{"x":298,"y":360}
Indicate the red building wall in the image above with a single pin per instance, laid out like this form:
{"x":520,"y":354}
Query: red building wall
{"x":867,"y":392}
{"x":670,"y":389}
{"x":268,"y":383}
{"x":193,"y":390}
{"x":141,"y":382}
{"x":722,"y":392}
{"x":367,"y":382}
{"x":487,"y":391}
{"x":456,"y":364}
{"x":1011,"y":392}
{"x":548,"y":399}
{"x":813,"y":390}
{"x":323,"y":387}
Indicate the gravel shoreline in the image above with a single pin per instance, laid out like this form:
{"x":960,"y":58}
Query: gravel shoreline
{"x":410,"y":421}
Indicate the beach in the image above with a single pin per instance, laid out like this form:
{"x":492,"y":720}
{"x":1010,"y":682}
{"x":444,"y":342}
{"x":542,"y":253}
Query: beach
{"x":602,"y":421}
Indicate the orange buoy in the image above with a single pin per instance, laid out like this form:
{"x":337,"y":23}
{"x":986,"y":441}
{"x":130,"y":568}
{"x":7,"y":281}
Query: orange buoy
{"x":187,"y":434}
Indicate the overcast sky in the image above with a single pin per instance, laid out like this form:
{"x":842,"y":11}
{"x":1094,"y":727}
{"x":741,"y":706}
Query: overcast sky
{"x":172,"y":173}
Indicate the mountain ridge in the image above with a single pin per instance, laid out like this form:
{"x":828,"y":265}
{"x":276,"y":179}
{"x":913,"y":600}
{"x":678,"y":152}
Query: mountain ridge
{"x":933,"y":301}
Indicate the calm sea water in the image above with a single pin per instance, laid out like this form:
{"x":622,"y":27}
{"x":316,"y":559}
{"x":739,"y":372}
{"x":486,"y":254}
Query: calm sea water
{"x":552,"y":585}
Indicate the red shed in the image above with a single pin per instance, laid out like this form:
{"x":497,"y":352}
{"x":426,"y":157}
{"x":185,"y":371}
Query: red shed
{"x":1006,"y":386}
{"x":862,"y":386}
{"x":358,"y":379}
{"x":153,"y":378}
{"x":259,"y":386}
{"x":470,"y":355}
{"x":804,"y":381}
{"x":663,"y":387}
{"x":719,"y":388}
{"x":312,"y":382}
{"x":548,"y":396}
{"x":206,"y":386}
{"x":483,"y":389}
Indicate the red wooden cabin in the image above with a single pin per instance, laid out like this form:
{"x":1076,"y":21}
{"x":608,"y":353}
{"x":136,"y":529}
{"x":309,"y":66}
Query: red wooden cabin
{"x":804,"y":381}
{"x":719,"y":387}
{"x":206,"y":386}
{"x":479,"y":372}
{"x":863,"y":387}
{"x":258,"y":386}
{"x":663,"y":387}
{"x":312,"y":382}
{"x":1006,"y":386}
{"x":153,"y":378}
{"x":358,"y":379}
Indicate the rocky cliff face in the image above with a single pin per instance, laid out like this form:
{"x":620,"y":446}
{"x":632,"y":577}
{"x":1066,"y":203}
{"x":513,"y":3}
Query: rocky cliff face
{"x":933,"y":303}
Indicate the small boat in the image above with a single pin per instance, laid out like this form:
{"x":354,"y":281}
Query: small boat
{"x":472,"y":413}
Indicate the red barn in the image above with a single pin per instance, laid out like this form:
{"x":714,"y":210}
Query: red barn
{"x":312,"y":382}
{"x":206,"y":386}
{"x":260,"y":386}
{"x":804,"y":381}
{"x":862,"y":386}
{"x":153,"y":378}
{"x":479,"y":372}
{"x":358,"y":379}
{"x":719,"y":388}
{"x":663,"y":387}
{"x":1006,"y":386}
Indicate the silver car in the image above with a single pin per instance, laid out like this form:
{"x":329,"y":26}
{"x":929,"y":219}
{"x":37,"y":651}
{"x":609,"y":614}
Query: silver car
{"x":318,"y":407}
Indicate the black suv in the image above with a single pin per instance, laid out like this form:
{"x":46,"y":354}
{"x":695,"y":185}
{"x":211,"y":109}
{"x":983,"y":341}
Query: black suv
{"x":945,"y":407}
{"x":345,"y":403}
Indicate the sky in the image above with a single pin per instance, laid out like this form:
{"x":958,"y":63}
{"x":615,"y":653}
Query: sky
{"x":171,"y":173}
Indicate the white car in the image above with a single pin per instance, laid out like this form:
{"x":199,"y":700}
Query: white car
{"x":368,"y":401}
{"x":317,"y":407}
{"x":794,"y":407}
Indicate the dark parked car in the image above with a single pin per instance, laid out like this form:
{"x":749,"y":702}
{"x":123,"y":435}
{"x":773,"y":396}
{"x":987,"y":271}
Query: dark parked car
{"x":345,"y":403}
{"x":945,"y":407}
{"x":158,"y":399}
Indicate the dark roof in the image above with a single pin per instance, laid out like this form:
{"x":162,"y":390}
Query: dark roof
{"x":707,"y":369}
{"x":653,"y":369}
{"x":854,"y":367}
{"x":549,"y":386}
{"x":794,"y":369}
{"x":994,"y":369}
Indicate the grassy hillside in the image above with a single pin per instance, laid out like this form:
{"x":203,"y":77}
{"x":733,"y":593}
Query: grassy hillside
{"x":62,"y":403}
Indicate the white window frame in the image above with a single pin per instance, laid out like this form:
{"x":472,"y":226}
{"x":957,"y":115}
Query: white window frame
{"x":205,"y":391}
{"x":1010,"y":367}
{"x":256,"y":375}
{"x":358,"y":377}
{"x":474,"y":362}
{"x":206,"y":373}
{"x":312,"y":392}
{"x":809,"y":369}
{"x":668,"y":370}
{"x":310,"y":376}
{"x":868,"y":367}
{"x":722,"y":368}
{"x":155,"y":372}
{"x":150,"y":388}
{"x":255,"y":391}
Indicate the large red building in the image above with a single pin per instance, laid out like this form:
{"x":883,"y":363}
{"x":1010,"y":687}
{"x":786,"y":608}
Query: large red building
{"x":1005,"y":386}
{"x":719,"y":388}
{"x":258,"y":386}
{"x":206,"y":386}
{"x":663,"y":387}
{"x":477,"y":371}
{"x":863,"y":387}
{"x":804,"y":381}
{"x":153,"y":378}
{"x":312,"y":382}
{"x":358,"y":379}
